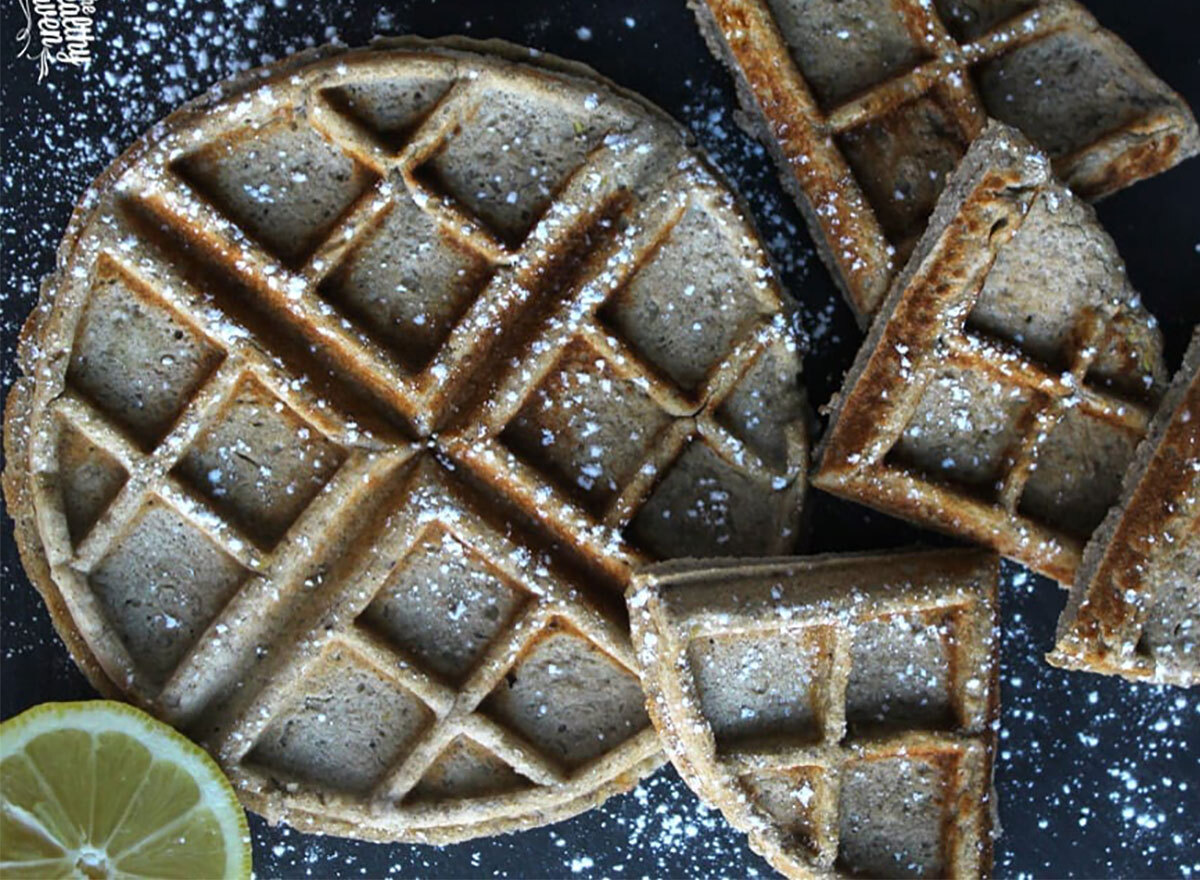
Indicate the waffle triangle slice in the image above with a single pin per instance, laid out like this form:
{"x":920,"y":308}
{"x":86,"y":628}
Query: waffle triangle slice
{"x":867,"y":106}
{"x":839,"y":709}
{"x":1135,"y":604}
{"x":1008,"y":378}
{"x":363,"y":386}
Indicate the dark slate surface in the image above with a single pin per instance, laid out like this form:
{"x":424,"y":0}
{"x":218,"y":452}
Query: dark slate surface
{"x":1096,"y":777}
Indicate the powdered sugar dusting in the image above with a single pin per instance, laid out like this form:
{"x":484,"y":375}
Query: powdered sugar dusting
{"x":1094,"y":775}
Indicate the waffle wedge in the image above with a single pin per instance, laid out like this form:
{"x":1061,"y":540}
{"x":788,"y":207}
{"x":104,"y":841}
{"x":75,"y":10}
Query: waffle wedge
{"x":839,"y":709}
{"x":362,"y":386}
{"x":1010,"y":375}
{"x":1135,"y":604}
{"x":868,"y":105}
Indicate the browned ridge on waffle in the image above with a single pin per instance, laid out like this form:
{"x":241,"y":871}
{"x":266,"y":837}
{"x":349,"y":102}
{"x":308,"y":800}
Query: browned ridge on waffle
{"x":841,"y":710}
{"x":1010,"y":375}
{"x":363,"y":384}
{"x":1135,"y":604}
{"x":868,"y":105}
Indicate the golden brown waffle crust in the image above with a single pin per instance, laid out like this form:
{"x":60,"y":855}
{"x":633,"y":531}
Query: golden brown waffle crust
{"x":922,"y":323}
{"x":672,"y":603}
{"x":27,"y":401}
{"x":1100,"y":628}
{"x":784,"y":114}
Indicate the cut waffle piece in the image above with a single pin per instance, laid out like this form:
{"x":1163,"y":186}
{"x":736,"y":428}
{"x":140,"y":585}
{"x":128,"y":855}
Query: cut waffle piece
{"x":841,"y":710}
{"x":1010,"y":375}
{"x":363,"y":386}
{"x":868,"y":105}
{"x":1135,"y":604}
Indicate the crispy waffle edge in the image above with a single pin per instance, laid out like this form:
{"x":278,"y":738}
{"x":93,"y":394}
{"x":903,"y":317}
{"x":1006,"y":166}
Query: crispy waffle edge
{"x":1099,"y":624}
{"x":759,"y":125}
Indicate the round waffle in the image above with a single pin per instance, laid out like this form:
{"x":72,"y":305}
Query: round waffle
{"x":362,"y":385}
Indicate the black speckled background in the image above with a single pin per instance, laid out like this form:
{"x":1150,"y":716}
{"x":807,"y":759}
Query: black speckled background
{"x":1097,"y":777}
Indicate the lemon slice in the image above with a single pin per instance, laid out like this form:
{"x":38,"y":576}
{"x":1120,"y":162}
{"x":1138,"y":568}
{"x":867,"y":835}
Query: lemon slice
{"x":102,"y":790}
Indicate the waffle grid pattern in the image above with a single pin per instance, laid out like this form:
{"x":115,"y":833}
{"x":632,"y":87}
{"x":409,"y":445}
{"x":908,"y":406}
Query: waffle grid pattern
{"x":438,"y":428}
{"x":932,"y":328}
{"x":825,"y":147}
{"x":800,"y":831}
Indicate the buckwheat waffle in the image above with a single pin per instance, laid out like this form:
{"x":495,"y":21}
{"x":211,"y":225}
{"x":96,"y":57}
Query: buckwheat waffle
{"x":868,"y":105}
{"x":1135,"y":604}
{"x":1009,"y":376}
{"x":841,"y":710}
{"x":360,"y":389}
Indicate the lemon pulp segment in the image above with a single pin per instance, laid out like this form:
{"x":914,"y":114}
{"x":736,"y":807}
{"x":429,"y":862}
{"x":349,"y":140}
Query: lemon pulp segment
{"x":102,"y":790}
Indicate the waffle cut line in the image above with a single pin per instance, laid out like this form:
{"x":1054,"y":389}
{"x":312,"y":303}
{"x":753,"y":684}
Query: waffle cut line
{"x":364,"y":383}
{"x":840,"y":709}
{"x":1134,"y":609}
